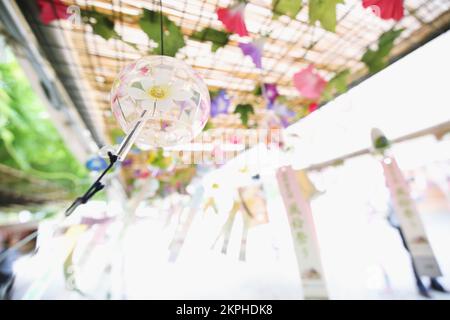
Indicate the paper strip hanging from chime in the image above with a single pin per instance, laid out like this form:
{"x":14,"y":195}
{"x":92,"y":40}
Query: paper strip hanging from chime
{"x":303,"y":233}
{"x":409,"y":220}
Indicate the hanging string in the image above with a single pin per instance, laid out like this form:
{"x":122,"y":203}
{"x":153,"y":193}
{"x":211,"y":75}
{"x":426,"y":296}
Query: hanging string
{"x":94,"y":188}
{"x":161,"y":27}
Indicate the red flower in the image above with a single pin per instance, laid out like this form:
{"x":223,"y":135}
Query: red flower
{"x":233,"y":19}
{"x":386,"y":9}
{"x":52,"y":10}
{"x":313,"y":107}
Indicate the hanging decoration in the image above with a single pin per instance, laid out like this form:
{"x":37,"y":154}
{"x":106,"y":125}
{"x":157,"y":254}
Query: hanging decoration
{"x":386,"y":9}
{"x":380,"y":142}
{"x":158,"y":106}
{"x":405,"y":210}
{"x":169,"y":106}
{"x":308,"y":189}
{"x":172,"y":36}
{"x":51,"y":10}
{"x":336,"y":85}
{"x":244,"y":110}
{"x":283,"y":113}
{"x":183,"y":227}
{"x":289,"y":8}
{"x":303,"y":233}
{"x":233,"y":18}
{"x":252,"y":205}
{"x":410,"y":222}
{"x":324,"y":11}
{"x":309,"y":83}
{"x":254,"y":211}
{"x":254,"y":51}
{"x":210,"y":203}
{"x":313,"y":106}
{"x":377,"y":60}
{"x":101,"y":24}
{"x":225,"y":231}
{"x":271,"y":93}
{"x":217,"y":38}
{"x":220,"y":103}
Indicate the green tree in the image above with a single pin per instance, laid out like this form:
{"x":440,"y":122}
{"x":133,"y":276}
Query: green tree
{"x":28,"y":139}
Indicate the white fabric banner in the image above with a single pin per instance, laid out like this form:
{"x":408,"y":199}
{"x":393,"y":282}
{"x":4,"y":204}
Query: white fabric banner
{"x":409,"y":220}
{"x":303,"y":233}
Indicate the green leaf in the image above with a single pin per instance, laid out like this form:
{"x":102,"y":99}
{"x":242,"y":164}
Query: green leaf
{"x":337,"y":84}
{"x":244,"y":110}
{"x":325,"y":12}
{"x":218,"y":39}
{"x":286,"y":7}
{"x":257,"y":91}
{"x":101,"y":24}
{"x":208,"y":126}
{"x":377,"y":60}
{"x":150,"y":23}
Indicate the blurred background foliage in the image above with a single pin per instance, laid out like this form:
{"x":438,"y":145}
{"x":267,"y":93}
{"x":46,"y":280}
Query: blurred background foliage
{"x":29,"y":143}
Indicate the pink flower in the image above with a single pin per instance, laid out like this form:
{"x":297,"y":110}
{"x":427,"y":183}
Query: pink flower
{"x":52,"y":10}
{"x":121,"y":91}
{"x":386,"y":9}
{"x":309,"y":83}
{"x":143,"y":71}
{"x":233,"y":19}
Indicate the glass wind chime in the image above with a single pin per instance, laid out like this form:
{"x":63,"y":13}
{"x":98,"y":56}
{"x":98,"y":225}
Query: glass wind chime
{"x":158,"y":101}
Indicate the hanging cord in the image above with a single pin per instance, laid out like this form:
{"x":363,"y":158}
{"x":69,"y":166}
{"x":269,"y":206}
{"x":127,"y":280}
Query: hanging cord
{"x":161,"y":27}
{"x":94,"y":188}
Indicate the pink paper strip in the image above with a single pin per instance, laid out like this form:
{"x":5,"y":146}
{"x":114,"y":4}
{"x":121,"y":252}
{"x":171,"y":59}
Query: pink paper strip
{"x":409,"y":219}
{"x":303,"y":233}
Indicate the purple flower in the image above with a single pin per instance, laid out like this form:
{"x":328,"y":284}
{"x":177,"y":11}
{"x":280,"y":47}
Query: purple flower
{"x":220,"y":103}
{"x":127,"y":162}
{"x":283,"y":112}
{"x":271,"y":92}
{"x":254,"y":50}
